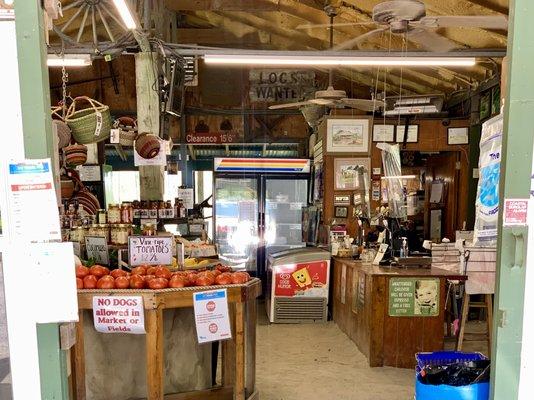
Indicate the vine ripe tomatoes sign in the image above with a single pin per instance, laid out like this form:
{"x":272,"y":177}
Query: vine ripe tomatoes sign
{"x":151,"y":250}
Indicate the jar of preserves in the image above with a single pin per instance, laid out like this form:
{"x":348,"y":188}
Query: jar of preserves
{"x":162,"y":213}
{"x":126,"y":213}
{"x":114,"y":214}
{"x":120,"y":233}
{"x":149,"y":229}
{"x":77,"y":234}
{"x":169,"y":209}
{"x":100,"y":230}
{"x":153,"y":210}
{"x":101,"y":217}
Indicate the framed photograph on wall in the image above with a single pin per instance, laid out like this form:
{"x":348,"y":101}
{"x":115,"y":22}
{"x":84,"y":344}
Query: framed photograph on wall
{"x":341,"y":200}
{"x":412,"y":135}
{"x":458,"y":135}
{"x":383,"y":133}
{"x":341,"y":212}
{"x":347,"y":173}
{"x":347,"y":135}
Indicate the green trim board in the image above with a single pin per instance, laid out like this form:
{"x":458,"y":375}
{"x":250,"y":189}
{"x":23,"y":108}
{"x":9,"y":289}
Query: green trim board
{"x":413,"y":297}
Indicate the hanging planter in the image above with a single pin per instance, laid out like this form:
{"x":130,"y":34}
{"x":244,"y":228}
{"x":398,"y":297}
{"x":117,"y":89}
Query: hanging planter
{"x":91,"y":124}
{"x":147,"y":145}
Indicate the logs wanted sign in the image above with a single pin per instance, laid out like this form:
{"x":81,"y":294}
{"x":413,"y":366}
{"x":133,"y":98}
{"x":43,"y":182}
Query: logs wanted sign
{"x":281,"y":85}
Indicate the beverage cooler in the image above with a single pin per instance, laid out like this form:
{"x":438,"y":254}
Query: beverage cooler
{"x":297,"y":286}
{"x":258,"y":209}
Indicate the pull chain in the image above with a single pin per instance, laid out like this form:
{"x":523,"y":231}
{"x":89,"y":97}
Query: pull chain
{"x":64,"y":80}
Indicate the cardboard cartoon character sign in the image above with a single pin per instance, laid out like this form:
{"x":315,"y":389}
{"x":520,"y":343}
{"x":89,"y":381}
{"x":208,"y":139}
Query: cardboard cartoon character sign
{"x":302,"y":277}
{"x":305,"y":279}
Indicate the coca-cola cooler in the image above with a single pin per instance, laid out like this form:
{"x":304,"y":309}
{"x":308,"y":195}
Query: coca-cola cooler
{"x":297,"y":286}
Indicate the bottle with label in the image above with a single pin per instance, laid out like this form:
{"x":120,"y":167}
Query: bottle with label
{"x":162,"y":213}
{"x":169,"y":209}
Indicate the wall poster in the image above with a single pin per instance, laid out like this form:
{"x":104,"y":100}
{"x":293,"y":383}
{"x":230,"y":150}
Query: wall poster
{"x":414,"y":297}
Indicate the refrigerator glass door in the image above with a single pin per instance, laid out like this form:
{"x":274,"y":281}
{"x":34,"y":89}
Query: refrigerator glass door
{"x":236,"y":221}
{"x":284,"y":200}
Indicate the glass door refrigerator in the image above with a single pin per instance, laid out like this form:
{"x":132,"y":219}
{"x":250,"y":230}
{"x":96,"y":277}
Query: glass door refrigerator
{"x":258,"y":209}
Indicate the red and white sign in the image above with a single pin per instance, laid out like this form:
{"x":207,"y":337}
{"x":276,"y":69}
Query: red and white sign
{"x":211,"y":138}
{"x":119,"y":314}
{"x":515,"y":212}
{"x":211,"y":315}
{"x":303,"y":279}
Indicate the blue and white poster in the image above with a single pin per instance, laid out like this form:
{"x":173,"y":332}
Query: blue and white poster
{"x":211,"y":316}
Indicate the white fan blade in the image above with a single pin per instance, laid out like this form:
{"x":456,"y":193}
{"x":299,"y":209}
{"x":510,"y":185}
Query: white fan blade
{"x":468,"y":21}
{"x":312,"y":26}
{"x":363,"y":104}
{"x":322,"y":102}
{"x":349,"y":44}
{"x":432,"y":41}
{"x":290,"y":105}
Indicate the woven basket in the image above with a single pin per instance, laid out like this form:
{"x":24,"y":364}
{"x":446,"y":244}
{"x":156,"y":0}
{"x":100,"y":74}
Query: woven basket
{"x":82,"y":195}
{"x":147,"y":145}
{"x":75,"y":154}
{"x":127,"y":130}
{"x":61,"y":128}
{"x":89,"y":125}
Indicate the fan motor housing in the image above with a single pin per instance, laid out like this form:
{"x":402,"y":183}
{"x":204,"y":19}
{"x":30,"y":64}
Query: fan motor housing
{"x":330,"y":93}
{"x":397,"y":13}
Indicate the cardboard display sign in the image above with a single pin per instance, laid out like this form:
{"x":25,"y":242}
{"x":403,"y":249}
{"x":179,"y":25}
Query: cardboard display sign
{"x":151,"y":250}
{"x":97,"y":249}
{"x":119,"y":314}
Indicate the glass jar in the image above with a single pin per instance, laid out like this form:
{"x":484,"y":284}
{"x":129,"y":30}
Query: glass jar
{"x":114,"y":214}
{"x":77,"y":234}
{"x":120,"y":233}
{"x":126,"y":213}
{"x":153,"y":210}
{"x":101,"y":217}
{"x":169,"y":209}
{"x":100,"y":230}
{"x":136,"y":209}
{"x":149,"y":229}
{"x":162,"y":213}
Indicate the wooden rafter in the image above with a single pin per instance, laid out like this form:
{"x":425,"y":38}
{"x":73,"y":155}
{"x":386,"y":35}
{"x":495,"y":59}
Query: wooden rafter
{"x":222,"y":5}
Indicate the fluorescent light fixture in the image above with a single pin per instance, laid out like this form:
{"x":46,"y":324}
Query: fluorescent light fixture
{"x":270,"y":60}
{"x":399,"y":177}
{"x":69,"y":60}
{"x":8,"y":2}
{"x":125,"y":13}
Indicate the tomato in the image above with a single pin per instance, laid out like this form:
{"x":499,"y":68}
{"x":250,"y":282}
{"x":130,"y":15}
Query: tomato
{"x":163,"y":272}
{"x":223,"y":268}
{"x":81,"y":271}
{"x":205,"y":280}
{"x":149,"y":277}
{"x":137,"y":282}
{"x":106,"y":282}
{"x":118,"y":272}
{"x":139,"y":271}
{"x":216,"y":273}
{"x":177,"y":281}
{"x":79,"y":283}
{"x":224,"y":279}
{"x":122,"y":282}
{"x":239,"y":278}
{"x":158,"y":283}
{"x":98,"y":271}
{"x":151,"y":271}
{"x":89,"y":282}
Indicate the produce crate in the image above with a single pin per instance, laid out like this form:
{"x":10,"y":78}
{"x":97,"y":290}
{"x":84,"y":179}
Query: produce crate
{"x":477,"y":391}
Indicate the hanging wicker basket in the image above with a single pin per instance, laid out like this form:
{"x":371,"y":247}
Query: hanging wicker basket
{"x":91,"y":124}
{"x":61,"y":128}
{"x":147,"y":145}
{"x":127,"y":130}
{"x":75,"y":154}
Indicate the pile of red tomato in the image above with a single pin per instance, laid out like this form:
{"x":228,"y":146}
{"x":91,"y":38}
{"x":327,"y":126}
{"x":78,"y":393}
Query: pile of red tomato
{"x":159,"y":277}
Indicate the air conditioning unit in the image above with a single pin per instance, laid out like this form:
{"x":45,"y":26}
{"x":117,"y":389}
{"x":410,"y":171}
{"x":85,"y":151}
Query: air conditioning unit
{"x":429,"y":104}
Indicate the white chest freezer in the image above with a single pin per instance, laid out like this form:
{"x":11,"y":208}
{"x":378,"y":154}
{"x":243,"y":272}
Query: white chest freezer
{"x":297,"y":285}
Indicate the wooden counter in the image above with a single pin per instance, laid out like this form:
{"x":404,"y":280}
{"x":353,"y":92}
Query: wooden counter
{"x":361,"y":309}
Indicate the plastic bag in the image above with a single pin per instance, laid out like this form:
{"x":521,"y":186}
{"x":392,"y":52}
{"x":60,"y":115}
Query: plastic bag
{"x":487,"y":200}
{"x":391,"y":162}
{"x":456,"y":374}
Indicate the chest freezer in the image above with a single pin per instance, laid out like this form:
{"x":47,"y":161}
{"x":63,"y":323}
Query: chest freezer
{"x":297,"y":286}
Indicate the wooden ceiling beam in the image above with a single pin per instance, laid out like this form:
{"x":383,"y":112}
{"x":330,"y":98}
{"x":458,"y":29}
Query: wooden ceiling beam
{"x":490,"y":6}
{"x":222,"y":5}
{"x":214,"y":36}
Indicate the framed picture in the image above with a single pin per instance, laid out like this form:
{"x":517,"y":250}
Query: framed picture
{"x":458,"y":135}
{"x":412,"y":135}
{"x":383,"y":133}
{"x":348,"y":173}
{"x":341,"y":212}
{"x":347,"y":135}
{"x":357,"y":199}
{"x":342,"y":200}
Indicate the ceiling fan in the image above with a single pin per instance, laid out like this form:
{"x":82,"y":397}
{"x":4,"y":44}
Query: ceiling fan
{"x":331,"y":97}
{"x":408,"y":17}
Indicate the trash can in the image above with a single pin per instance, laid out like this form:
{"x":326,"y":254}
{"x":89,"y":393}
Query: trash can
{"x":424,"y":391}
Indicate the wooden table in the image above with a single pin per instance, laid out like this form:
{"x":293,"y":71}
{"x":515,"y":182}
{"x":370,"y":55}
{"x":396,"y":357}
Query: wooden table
{"x":361,"y":310}
{"x":238,"y":368}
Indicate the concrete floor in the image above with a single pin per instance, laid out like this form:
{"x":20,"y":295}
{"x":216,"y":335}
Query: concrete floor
{"x":318,"y":362}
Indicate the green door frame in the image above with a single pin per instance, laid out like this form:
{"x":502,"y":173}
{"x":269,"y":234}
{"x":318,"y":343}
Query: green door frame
{"x":516,"y":170}
{"x":38,"y":143}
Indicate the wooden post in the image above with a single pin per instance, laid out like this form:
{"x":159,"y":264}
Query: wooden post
{"x":239,"y":386}
{"x":154,"y":354}
{"x":79,"y":360}
{"x":151,"y":177}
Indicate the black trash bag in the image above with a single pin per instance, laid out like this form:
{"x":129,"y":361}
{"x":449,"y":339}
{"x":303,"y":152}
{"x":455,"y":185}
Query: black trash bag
{"x":456,"y":374}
